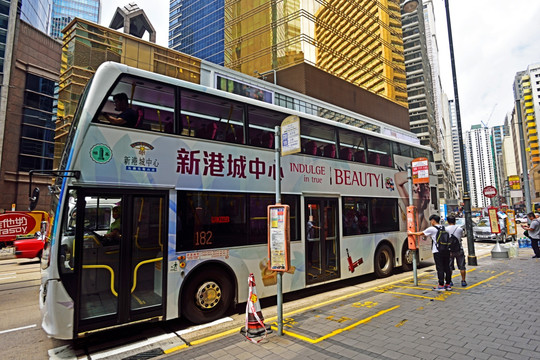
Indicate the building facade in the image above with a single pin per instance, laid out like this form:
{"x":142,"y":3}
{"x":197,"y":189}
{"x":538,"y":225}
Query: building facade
{"x":498,"y":134}
{"x":27,"y":124}
{"x":432,"y":44}
{"x":480,"y":159}
{"x":527,"y":91}
{"x":419,"y":82}
{"x":456,"y":150}
{"x":63,"y":11}
{"x":359,"y":44}
{"x":37,"y":13}
{"x":197,"y":27}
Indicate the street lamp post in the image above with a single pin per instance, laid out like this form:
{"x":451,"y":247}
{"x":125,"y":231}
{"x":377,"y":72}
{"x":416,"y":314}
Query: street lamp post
{"x":408,"y":7}
{"x":466,"y":196}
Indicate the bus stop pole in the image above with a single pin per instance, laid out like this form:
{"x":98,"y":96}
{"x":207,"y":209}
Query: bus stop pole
{"x":277,"y":173}
{"x":409,"y":182}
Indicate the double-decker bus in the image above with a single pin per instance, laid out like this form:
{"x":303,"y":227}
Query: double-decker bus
{"x":167,"y":218}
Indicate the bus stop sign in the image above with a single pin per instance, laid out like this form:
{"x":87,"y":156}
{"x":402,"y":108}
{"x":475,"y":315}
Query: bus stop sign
{"x":420,"y":170}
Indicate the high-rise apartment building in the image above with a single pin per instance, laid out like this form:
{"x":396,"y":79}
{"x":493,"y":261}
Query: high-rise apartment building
{"x":456,"y":150}
{"x":498,"y":134}
{"x":197,"y":27}
{"x":63,"y":11}
{"x":419,"y":82}
{"x":480,"y":159}
{"x":432,"y":45}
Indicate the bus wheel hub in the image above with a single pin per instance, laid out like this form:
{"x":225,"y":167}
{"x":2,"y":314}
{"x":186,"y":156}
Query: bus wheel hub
{"x":208,"y":295}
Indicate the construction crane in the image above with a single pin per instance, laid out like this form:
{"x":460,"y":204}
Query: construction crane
{"x":489,"y":117}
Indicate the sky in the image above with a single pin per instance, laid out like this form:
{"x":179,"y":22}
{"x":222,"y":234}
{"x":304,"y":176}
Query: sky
{"x":493,"y":40}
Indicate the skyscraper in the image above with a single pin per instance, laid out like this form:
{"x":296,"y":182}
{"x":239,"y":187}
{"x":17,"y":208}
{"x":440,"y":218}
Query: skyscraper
{"x":63,"y":11}
{"x":37,"y":13}
{"x":527,"y":90}
{"x":419,"y":82}
{"x":456,"y":151}
{"x":497,"y":139}
{"x":196,"y":27}
{"x":359,"y":44}
{"x":480,"y":159}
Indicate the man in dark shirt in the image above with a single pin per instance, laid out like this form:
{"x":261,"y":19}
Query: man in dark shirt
{"x":127,"y":116}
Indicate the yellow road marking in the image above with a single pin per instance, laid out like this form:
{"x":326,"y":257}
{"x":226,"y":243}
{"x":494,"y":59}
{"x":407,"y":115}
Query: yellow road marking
{"x":438,"y":297}
{"x":338,"y":331}
{"x":203,"y":340}
{"x":401,"y":323}
{"x":485,"y":280}
{"x":341,"y":298}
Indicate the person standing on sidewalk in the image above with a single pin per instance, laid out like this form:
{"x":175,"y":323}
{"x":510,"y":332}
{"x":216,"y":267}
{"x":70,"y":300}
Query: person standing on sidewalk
{"x":442,"y":259}
{"x":534,"y":233}
{"x":457,"y":231}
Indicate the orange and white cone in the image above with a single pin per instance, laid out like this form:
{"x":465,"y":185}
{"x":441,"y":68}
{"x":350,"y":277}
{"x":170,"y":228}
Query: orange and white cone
{"x":254,"y":318}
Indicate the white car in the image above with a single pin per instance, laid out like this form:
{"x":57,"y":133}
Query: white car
{"x":521,"y":219}
{"x":482,"y":231}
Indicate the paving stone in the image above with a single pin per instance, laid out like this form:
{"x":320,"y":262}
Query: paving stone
{"x":483,"y":322}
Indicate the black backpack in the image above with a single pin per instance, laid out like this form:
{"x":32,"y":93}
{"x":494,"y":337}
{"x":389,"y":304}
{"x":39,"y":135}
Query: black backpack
{"x":455,"y":243}
{"x":443,"y":240}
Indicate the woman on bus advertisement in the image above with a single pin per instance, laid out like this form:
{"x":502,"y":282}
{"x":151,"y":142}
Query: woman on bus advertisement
{"x":421,"y":198}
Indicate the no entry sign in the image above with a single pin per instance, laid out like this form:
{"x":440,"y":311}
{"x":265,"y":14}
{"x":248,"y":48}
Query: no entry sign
{"x":490,"y":191}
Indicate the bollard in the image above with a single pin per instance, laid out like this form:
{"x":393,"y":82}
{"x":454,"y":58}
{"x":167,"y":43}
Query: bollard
{"x":499,"y":252}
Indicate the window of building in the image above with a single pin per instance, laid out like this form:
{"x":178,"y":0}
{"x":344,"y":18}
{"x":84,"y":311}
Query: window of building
{"x":36,"y":149}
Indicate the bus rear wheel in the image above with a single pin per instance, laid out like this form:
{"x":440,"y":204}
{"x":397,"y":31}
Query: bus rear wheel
{"x":384,"y":261}
{"x":407,"y":257}
{"x":207,"y":296}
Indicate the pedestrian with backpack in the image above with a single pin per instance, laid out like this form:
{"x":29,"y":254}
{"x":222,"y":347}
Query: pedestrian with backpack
{"x":456,"y":247}
{"x":533,"y":233}
{"x":441,"y":251}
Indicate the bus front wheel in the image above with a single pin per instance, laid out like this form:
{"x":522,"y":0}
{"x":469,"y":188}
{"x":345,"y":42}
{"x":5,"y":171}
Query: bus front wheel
{"x":207,"y":296}
{"x":384,"y":261}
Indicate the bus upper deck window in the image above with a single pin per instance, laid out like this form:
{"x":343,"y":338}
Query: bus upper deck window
{"x":140,"y":104}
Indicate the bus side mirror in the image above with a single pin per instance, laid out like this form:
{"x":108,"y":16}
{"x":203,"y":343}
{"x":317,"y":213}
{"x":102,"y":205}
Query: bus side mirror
{"x":34,"y":199}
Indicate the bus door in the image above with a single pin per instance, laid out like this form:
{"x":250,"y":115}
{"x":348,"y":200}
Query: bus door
{"x":322,"y":245}
{"x":121,"y":243}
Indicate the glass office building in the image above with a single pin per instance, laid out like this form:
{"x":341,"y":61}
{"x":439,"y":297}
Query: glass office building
{"x":360,"y":42}
{"x":196,"y":27}
{"x":37,"y":13}
{"x":63,"y":11}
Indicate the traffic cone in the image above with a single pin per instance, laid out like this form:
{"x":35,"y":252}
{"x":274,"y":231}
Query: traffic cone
{"x":254,"y":318}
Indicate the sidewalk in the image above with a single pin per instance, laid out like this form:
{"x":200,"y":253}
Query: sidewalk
{"x":495,"y":317}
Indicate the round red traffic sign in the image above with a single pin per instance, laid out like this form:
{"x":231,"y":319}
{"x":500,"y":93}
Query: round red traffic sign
{"x":490,"y":191}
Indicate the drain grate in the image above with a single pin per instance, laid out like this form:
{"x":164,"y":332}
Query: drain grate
{"x":146,"y":355}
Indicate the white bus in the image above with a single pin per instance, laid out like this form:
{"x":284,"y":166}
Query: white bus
{"x":188,"y":186}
